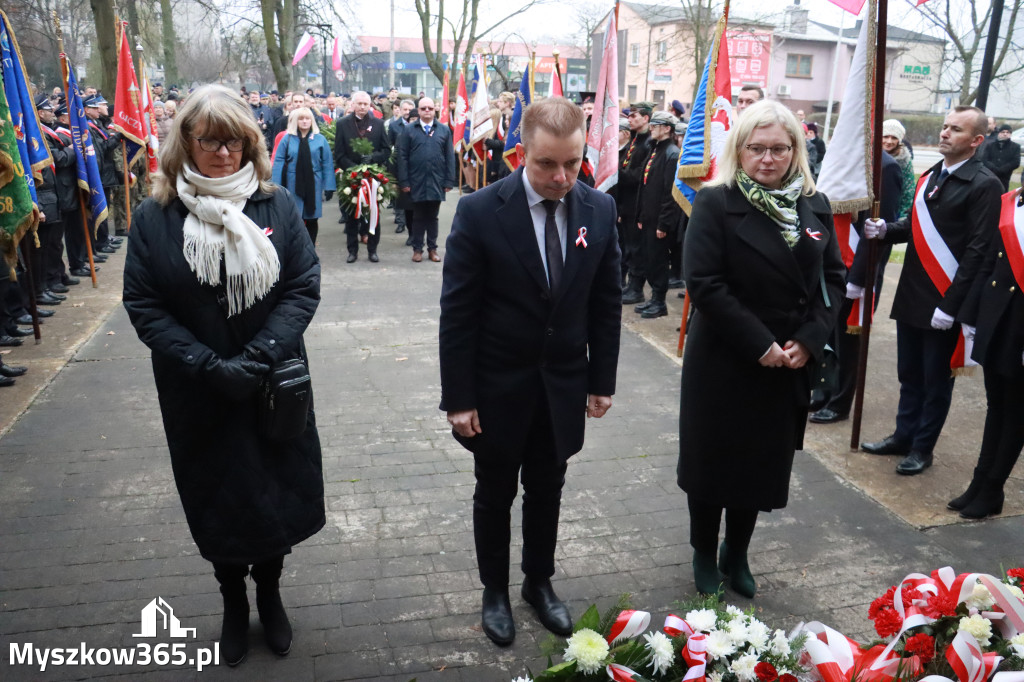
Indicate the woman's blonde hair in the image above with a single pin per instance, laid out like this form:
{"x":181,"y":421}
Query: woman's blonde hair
{"x":215,"y":111}
{"x":293,"y":121}
{"x":761,"y":115}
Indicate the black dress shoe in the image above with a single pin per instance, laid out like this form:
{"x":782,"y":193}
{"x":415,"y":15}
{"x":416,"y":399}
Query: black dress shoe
{"x":643,"y":306}
{"x":887,"y":446}
{"x":496,"y":617}
{"x":99,"y":258}
{"x":550,"y":610}
{"x":6,"y":381}
{"x":45,"y":299}
{"x":53,"y":294}
{"x":818,"y":400}
{"x":70,"y":281}
{"x":373,"y":258}
{"x":827,"y":416}
{"x":914,"y":463}
{"x":10,"y":341}
{"x":106,"y":248}
{"x":26,"y":319}
{"x":18,"y":331}
{"x":399,"y":229}
{"x":83,"y":272}
{"x":675,"y":283}
{"x":351,"y":258}
{"x":10,"y":371}
{"x":58,"y":288}
{"x":408,"y":242}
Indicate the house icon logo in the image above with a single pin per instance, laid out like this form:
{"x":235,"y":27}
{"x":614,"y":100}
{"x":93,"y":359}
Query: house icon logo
{"x":158,"y":616}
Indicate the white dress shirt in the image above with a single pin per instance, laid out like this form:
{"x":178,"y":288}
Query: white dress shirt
{"x":540,"y":215}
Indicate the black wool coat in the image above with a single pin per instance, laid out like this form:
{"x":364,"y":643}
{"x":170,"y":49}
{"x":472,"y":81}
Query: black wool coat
{"x":426,"y":163}
{"x":346,"y":130}
{"x":965,"y":209}
{"x":508,"y":344}
{"x":749,"y":290}
{"x":656,"y":208}
{"x":246,"y":498}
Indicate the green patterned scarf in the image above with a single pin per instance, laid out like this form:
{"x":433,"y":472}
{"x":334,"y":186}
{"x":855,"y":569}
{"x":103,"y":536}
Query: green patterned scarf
{"x":777,"y":204}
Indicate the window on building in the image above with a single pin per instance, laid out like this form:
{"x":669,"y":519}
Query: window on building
{"x":634,"y":54}
{"x":662,"y":50}
{"x":798,"y":65}
{"x":631,"y":90}
{"x":659,"y":99}
{"x":373,"y":48}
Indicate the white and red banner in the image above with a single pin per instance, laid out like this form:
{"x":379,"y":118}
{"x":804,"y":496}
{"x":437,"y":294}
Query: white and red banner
{"x":149,"y":120}
{"x":1011,"y":227}
{"x":459,"y":124}
{"x":603,"y":136}
{"x":304,"y":46}
{"x":444,"y":112}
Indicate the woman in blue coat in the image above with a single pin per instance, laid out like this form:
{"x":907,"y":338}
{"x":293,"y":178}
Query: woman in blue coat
{"x":303,"y":164}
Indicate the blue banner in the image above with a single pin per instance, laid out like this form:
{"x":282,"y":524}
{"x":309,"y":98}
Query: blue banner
{"x":515,"y":132}
{"x":85,"y":153}
{"x":35,"y":155}
{"x":692,"y":151}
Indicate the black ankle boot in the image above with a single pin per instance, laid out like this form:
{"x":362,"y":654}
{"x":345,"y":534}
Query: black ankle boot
{"x":958,"y":503}
{"x":706,"y":574}
{"x":276,"y":628}
{"x":733,"y":563}
{"x":987,"y":502}
{"x":234,"y":632}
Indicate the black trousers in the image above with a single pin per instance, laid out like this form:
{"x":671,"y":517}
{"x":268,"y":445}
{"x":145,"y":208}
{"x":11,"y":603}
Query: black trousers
{"x":54,"y":257}
{"x":926,"y":383}
{"x":6,"y":320}
{"x":353,"y":228}
{"x":39,"y":255}
{"x":497,"y":482}
{"x":848,"y":348}
{"x":74,"y":239}
{"x":656,"y":256}
{"x":313,"y":227}
{"x":424,"y":222}
{"x":1003,"y":438}
{"x":706,"y":520}
{"x":633,"y":237}
{"x":103,"y":231}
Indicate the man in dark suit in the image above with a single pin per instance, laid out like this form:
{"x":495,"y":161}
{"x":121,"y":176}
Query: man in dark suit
{"x":529,"y":343}
{"x":360,"y":124}
{"x":631,"y":171}
{"x":954,"y":218}
{"x":1002,"y":156}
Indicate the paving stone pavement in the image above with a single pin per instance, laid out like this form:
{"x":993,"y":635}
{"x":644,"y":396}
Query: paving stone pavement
{"x":92,"y":529}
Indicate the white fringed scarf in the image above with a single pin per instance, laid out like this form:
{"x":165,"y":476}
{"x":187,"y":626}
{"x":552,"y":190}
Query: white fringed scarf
{"x":216,"y":225}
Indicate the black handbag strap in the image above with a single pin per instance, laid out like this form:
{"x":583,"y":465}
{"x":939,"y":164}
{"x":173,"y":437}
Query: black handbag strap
{"x":824,"y":290}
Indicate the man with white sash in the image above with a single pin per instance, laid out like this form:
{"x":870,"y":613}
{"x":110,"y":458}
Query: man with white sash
{"x":953,"y":221}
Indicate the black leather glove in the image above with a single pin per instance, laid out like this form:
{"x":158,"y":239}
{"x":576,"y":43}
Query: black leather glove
{"x":328,"y":193}
{"x":238,"y":377}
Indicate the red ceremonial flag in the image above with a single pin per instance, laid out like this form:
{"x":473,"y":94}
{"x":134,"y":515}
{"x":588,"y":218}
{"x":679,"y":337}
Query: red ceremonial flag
{"x":603,"y":137}
{"x":444,"y":113}
{"x":336,"y":57}
{"x":855,"y":6}
{"x":461,"y":105}
{"x":127,"y":118}
{"x":149,"y":120}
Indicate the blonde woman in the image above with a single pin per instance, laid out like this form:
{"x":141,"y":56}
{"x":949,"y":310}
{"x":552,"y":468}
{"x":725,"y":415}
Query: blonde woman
{"x":303,"y":163}
{"x":759,"y":251}
{"x":220,"y":282}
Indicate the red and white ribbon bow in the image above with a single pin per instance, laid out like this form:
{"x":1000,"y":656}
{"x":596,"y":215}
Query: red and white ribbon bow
{"x":675,"y":626}
{"x":367,"y":197}
{"x":695,"y":653}
{"x":971,"y":665}
{"x":628,"y":625}
{"x":620,"y":673}
{"x":581,"y":239}
{"x":838,"y":658}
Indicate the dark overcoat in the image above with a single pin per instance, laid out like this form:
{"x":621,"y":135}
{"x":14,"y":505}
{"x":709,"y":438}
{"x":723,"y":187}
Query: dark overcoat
{"x":346,"y":129}
{"x":508,"y":344}
{"x":426,"y":163}
{"x":739,"y":422}
{"x":246,"y":498}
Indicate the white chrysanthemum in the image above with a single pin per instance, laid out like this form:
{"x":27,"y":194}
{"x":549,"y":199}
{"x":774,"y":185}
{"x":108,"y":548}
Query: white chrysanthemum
{"x":702,"y":620}
{"x":980,"y":598}
{"x":524,"y":678}
{"x":743,"y":667}
{"x":733,"y":611}
{"x":1016,"y":591}
{"x":978,"y":626}
{"x":1017,"y":644}
{"x":716,"y":676}
{"x":348,"y":190}
{"x":780,"y":644}
{"x":720,"y":644}
{"x":757,"y":635}
{"x":659,"y":647}
{"x":355,"y":200}
{"x":588,"y":649}
{"x":737,"y":630}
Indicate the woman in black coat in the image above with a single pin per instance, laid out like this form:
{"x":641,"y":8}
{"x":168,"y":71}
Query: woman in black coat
{"x":220,"y":282}
{"x":760,"y":257}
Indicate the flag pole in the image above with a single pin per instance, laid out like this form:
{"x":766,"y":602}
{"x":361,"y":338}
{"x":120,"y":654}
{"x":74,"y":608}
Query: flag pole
{"x":869,"y":270}
{"x":66,"y":68}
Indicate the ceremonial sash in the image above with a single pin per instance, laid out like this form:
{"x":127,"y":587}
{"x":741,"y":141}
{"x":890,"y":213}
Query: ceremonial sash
{"x":1011,"y":227}
{"x":848,"y":240}
{"x":99,"y":130}
{"x":940,"y":265}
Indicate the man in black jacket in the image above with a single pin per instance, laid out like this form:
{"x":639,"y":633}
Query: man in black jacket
{"x":658,"y":212}
{"x":529,"y":345}
{"x":104,"y":141}
{"x":954,"y":218}
{"x":55,"y":277}
{"x":360,"y":124}
{"x":1002,"y":156}
{"x":630,"y":172}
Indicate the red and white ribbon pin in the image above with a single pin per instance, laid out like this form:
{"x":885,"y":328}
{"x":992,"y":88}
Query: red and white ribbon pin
{"x":628,"y":625}
{"x":581,"y":239}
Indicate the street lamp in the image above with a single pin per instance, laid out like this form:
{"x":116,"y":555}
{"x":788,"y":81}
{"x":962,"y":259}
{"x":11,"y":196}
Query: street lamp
{"x":324,"y":29}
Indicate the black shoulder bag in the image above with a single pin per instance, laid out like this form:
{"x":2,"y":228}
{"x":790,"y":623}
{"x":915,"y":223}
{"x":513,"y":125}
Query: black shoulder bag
{"x":285,"y":398}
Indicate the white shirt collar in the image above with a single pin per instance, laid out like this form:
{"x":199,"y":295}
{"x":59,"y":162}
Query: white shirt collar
{"x":952,"y":168}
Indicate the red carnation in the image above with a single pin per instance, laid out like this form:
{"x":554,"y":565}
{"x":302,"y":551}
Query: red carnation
{"x":367,"y":173}
{"x":384,"y":181}
{"x":922,"y":646}
{"x":766,"y":672}
{"x":887,"y":623}
{"x":353,"y":176}
{"x":939,"y":605}
{"x":787,"y":677}
{"x":1017,"y":573}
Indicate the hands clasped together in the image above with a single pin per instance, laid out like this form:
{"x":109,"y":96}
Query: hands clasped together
{"x":466,"y":423}
{"x":793,"y":355}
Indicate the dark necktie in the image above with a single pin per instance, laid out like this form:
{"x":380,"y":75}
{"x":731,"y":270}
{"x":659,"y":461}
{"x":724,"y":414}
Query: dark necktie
{"x":552,"y":244}
{"x":943,"y":175}
{"x":426,"y":129}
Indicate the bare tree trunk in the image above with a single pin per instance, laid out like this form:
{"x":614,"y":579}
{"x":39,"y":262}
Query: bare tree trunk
{"x":170,"y":39}
{"x":106,"y":40}
{"x":279,"y":13}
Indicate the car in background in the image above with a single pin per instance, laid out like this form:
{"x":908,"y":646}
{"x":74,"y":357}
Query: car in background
{"x":1018,"y":136}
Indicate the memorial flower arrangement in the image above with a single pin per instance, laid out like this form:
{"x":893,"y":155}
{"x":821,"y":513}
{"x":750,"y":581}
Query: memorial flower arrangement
{"x":941,"y":627}
{"x":710,"y":643}
{"x":366,"y":187}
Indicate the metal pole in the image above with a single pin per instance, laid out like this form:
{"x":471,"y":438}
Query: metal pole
{"x":990,"y":55}
{"x":832,"y":83}
{"x":391,"y":59}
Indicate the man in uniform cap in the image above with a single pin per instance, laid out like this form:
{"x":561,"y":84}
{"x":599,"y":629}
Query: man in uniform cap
{"x":630,"y":172}
{"x":1002,"y":156}
{"x":105,"y":142}
{"x":657,"y":211}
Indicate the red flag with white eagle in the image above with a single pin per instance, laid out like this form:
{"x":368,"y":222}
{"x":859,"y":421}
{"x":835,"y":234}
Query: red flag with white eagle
{"x":127,"y":115}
